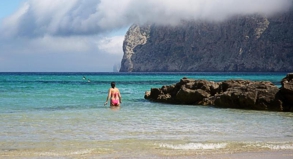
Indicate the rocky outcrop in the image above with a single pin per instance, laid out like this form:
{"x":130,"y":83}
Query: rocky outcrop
{"x":250,"y":43}
{"x":241,"y":94}
{"x":286,"y":92}
{"x":248,"y":95}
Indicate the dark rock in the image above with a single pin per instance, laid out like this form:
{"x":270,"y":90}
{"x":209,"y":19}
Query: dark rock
{"x":286,"y":92}
{"x":240,"y":94}
{"x":287,"y":84}
{"x":190,"y":96}
{"x":155,"y":92}
{"x":248,"y":95}
{"x":147,"y":95}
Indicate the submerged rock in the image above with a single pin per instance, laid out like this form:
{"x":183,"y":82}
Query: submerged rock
{"x":242,"y":94}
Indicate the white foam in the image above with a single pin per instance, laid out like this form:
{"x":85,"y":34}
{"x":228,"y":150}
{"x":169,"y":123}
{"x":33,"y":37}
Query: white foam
{"x":271,"y":145}
{"x":195,"y":146}
{"x":279,"y":147}
{"x":81,"y":152}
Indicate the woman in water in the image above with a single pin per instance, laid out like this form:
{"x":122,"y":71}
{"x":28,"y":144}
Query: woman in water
{"x":114,"y":96}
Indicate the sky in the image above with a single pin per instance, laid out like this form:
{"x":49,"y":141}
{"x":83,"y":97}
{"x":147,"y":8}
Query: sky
{"x":87,"y":35}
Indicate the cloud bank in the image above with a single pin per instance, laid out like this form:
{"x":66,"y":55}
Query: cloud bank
{"x":86,"y":17}
{"x":81,"y":27}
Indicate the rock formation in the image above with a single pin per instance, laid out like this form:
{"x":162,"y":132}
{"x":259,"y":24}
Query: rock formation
{"x":135,"y":37}
{"x":286,"y":92}
{"x":241,"y":94}
{"x":250,"y":43}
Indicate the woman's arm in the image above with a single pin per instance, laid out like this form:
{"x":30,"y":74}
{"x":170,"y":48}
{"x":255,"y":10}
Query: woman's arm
{"x":109,"y":94}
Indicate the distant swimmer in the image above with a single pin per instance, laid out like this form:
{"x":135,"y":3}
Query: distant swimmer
{"x":83,"y":78}
{"x":114,"y":96}
{"x":88,"y":80}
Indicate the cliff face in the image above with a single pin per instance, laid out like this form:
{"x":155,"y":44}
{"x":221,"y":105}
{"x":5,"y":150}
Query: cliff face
{"x":250,"y":43}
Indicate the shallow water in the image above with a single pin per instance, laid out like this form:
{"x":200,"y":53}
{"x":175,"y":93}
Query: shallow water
{"x":62,"y":115}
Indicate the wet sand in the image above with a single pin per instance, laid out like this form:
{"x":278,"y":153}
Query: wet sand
{"x":251,"y":155}
{"x":284,"y":154}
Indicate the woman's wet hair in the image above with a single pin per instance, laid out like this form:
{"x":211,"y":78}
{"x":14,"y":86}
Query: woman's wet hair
{"x":112,"y":84}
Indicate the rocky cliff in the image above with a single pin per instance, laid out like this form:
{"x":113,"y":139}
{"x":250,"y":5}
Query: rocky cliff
{"x":250,"y":43}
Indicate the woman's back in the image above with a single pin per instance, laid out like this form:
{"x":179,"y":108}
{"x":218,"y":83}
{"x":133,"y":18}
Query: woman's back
{"x":114,"y":93}
{"x":114,"y":96}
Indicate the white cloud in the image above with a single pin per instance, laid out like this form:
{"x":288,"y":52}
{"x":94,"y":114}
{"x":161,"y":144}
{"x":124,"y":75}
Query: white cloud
{"x":11,"y":24}
{"x":85,"y":17}
{"x":61,"y":44}
{"x":112,"y":45}
{"x":50,"y":43}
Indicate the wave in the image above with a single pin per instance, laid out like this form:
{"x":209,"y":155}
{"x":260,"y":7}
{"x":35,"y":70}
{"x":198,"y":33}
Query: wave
{"x":229,"y":146}
{"x":195,"y":146}
{"x":80,"y":152}
{"x":278,"y":146}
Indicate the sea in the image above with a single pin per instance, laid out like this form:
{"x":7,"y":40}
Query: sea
{"x":62,"y":115}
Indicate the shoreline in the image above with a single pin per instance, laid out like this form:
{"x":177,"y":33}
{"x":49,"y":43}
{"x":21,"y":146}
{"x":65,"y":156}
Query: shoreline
{"x":273,"y":154}
{"x":144,"y":149}
{"x":266,"y":154}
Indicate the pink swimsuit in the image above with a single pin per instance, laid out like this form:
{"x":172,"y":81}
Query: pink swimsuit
{"x":115,"y":99}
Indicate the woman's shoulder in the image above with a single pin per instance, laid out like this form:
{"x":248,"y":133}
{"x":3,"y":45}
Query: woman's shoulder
{"x":114,"y":89}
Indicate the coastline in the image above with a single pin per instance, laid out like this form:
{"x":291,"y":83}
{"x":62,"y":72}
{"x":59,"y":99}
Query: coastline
{"x":280,"y":154}
{"x":144,"y":149}
{"x":159,"y":154}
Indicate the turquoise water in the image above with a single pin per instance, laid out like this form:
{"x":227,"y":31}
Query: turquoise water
{"x":62,"y":115}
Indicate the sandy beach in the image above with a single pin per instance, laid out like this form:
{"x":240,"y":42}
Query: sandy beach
{"x":155,"y":154}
